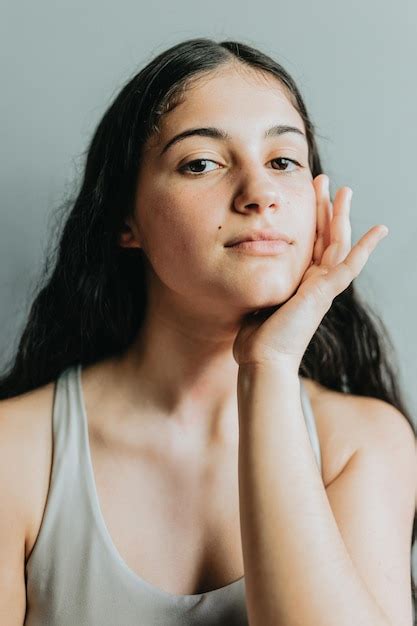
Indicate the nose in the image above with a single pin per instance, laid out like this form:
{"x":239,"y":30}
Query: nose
{"x":257,"y":192}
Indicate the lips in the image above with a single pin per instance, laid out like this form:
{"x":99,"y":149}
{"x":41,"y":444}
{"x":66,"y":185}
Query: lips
{"x":266,"y":247}
{"x":259,"y":235}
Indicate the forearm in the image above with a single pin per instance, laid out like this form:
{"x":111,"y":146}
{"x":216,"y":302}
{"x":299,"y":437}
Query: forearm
{"x":297,"y":568}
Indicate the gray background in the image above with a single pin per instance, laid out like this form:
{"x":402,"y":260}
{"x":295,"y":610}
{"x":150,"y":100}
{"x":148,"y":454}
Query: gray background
{"x":63,"y":62}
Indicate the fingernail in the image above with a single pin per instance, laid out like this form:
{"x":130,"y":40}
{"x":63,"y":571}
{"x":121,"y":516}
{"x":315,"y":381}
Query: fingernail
{"x":382,"y":232}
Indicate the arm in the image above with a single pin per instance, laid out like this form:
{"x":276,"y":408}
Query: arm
{"x":297,"y":566}
{"x":12,"y":526}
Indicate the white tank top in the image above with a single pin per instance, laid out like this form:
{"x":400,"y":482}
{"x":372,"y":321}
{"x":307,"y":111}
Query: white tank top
{"x":75,"y":576}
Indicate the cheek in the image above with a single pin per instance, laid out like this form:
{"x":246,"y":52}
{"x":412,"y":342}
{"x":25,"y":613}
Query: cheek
{"x":304,"y":207}
{"x":176,"y":234}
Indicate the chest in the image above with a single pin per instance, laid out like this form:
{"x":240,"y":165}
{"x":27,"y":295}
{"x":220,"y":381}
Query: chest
{"x":175,"y":526}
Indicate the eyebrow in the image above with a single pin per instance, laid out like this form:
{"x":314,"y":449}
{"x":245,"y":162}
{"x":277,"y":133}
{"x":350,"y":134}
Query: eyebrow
{"x":217,"y":133}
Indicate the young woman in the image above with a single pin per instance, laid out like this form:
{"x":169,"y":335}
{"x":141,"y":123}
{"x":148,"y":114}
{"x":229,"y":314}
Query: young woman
{"x":200,"y":425}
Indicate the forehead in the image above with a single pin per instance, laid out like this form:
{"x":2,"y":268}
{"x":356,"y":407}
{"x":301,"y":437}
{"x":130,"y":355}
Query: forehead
{"x":232,"y":96}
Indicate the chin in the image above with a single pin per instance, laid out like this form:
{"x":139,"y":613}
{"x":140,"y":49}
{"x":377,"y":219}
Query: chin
{"x":250,"y":305}
{"x":265,"y":295}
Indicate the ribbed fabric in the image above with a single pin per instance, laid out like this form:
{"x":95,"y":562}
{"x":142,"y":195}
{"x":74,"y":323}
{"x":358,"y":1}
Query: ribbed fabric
{"x":75,"y":574}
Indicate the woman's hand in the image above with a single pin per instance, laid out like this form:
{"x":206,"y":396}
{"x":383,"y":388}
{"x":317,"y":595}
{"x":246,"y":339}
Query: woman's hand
{"x":283,"y":336}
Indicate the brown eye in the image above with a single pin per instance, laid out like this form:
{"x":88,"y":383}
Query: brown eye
{"x":195,"y":167}
{"x":284,"y":161}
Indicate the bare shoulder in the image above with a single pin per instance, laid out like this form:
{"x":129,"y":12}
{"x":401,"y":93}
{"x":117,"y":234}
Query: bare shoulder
{"x":26,"y":453}
{"x":346,"y":422}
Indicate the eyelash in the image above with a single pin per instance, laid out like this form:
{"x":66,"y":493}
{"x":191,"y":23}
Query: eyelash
{"x":183,"y":167}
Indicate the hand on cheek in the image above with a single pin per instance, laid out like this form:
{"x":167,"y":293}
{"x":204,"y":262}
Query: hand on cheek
{"x":283,"y":336}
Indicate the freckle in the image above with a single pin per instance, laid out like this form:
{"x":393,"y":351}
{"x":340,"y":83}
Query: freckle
{"x":219,"y":227}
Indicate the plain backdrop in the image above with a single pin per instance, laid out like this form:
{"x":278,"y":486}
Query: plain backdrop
{"x":354,"y":62}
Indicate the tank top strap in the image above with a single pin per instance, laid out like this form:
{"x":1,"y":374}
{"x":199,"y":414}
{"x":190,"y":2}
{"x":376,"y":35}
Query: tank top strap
{"x":66,"y":481}
{"x":53,"y":563}
{"x":66,"y":419}
{"x":311,"y":424}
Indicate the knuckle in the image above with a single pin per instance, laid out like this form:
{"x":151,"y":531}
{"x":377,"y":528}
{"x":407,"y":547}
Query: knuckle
{"x":321,"y":295}
{"x":348,"y":271}
{"x":322,"y":290}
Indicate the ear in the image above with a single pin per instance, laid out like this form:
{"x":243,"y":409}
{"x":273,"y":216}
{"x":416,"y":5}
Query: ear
{"x":127,"y":238}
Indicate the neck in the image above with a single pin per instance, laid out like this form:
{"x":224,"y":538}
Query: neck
{"x":187,"y":374}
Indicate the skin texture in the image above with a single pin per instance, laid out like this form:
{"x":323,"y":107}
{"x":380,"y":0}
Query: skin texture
{"x":200,"y":291}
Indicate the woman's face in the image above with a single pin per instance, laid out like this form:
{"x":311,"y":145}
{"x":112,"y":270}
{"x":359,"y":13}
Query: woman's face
{"x":185,"y":214}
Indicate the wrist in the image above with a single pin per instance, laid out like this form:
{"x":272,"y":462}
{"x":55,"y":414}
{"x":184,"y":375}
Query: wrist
{"x":282,"y":368}
{"x":277,"y":373}
{"x":264,"y":390}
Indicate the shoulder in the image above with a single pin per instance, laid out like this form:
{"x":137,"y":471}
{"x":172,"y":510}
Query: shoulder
{"x":26,"y":455}
{"x":347,"y":423}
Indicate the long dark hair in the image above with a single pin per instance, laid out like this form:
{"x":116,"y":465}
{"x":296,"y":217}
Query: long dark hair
{"x":91,"y":297}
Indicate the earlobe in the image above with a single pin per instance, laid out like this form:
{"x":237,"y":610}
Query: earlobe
{"x":127,"y":238}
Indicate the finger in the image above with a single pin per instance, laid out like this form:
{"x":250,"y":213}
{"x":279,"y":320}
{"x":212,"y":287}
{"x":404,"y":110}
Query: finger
{"x":329,"y":217}
{"x":321,"y":186}
{"x":336,"y":279}
{"x":340,"y":229}
{"x":319,"y":291}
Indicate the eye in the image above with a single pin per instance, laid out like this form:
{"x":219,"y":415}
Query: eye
{"x":195,"y":166}
{"x":286,"y":161}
